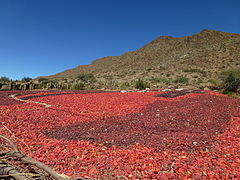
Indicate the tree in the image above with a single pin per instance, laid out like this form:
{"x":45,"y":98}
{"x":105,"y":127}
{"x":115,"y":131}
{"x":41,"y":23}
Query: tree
{"x":40,"y":80}
{"x":4,"y":79}
{"x":26,"y":79}
{"x":86,"y":77}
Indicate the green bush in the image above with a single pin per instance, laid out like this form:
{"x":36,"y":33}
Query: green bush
{"x":231,"y":80}
{"x":4,"y":79}
{"x":26,"y":79}
{"x":86,"y":78}
{"x":229,"y":93}
{"x":78,"y":86}
{"x":42,"y":79}
{"x":140,"y":84}
{"x":181,"y":80}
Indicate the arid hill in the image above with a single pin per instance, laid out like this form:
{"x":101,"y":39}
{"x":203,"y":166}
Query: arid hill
{"x":195,"y":60}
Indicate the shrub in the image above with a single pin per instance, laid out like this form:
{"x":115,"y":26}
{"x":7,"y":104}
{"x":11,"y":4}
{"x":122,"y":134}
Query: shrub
{"x":196,"y":70}
{"x":231,"y":80}
{"x":86,"y":78}
{"x":140,"y":84}
{"x":78,"y":86}
{"x":181,"y":80}
{"x":214,"y":82}
{"x":199,"y":81}
{"x":42,"y":79}
{"x":158,"y":80}
{"x":229,"y":93}
{"x":149,"y":69}
{"x":125,"y":85}
{"x":4,"y":79}
{"x":26,"y":79}
{"x":46,"y":81}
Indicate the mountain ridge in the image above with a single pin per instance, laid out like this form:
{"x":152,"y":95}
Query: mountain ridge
{"x":208,"y":53}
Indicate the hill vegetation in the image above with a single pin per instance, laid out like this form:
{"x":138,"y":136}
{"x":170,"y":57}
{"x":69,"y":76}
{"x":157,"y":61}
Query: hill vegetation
{"x":209,"y":59}
{"x":195,"y":61}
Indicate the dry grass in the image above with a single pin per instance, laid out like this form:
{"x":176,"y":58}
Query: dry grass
{"x":199,"y":58}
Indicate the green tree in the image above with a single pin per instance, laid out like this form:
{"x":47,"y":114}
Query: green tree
{"x":40,"y":80}
{"x":86,"y":77}
{"x":4,"y":79}
{"x":26,"y":79}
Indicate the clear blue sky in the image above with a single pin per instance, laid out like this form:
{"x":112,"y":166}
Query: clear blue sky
{"x":44,"y":37}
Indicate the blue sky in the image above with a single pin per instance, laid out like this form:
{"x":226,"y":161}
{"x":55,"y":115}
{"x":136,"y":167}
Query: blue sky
{"x":44,"y":37}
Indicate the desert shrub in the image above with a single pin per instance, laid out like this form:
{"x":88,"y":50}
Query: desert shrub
{"x":4,"y":79}
{"x":108,"y":77}
{"x":181,"y":80}
{"x":86,"y":77}
{"x":199,"y":81}
{"x":78,"y":86}
{"x":196,"y":70}
{"x":158,"y":80}
{"x":26,"y":79}
{"x":46,"y":81}
{"x":229,"y":93}
{"x":42,"y":79}
{"x":231,"y":80}
{"x":125,"y":85}
{"x":141,"y":84}
{"x":149,"y":69}
{"x":214,"y":82}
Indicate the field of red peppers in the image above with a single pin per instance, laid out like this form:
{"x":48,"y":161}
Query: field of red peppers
{"x":151,"y":135}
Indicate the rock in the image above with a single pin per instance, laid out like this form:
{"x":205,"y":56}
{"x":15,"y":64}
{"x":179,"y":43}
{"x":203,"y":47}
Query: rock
{"x":179,"y":89}
{"x":195,"y":143}
{"x":166,"y":90}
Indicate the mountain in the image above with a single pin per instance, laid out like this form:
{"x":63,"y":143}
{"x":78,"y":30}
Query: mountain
{"x":194,"y":60}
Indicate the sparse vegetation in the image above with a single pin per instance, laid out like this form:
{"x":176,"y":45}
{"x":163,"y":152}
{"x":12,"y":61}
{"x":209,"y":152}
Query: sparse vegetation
{"x":196,"y":71}
{"x":158,"y":80}
{"x":46,"y":82}
{"x":231,"y":80}
{"x":40,"y":80}
{"x":125,"y":85}
{"x":78,"y":86}
{"x":26,"y":79}
{"x":141,"y":84}
{"x":199,"y":81}
{"x":86,"y":78}
{"x":155,"y":60}
{"x":214,"y":82}
{"x":4,"y":79}
{"x":181,"y":80}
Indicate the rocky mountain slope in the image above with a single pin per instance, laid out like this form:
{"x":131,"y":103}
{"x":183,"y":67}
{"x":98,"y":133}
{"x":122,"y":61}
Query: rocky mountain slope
{"x":194,"y":60}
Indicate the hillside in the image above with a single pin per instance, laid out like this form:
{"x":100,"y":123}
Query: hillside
{"x":198,"y":58}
